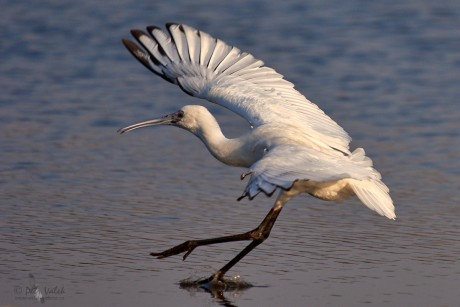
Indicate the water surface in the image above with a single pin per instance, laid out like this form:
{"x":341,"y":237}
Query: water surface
{"x":82,"y":207}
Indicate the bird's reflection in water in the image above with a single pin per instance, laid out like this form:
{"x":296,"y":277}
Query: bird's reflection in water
{"x":234,"y":286}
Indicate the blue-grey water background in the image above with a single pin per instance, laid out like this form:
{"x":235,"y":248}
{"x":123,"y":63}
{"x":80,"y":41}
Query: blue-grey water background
{"x":82,"y":207}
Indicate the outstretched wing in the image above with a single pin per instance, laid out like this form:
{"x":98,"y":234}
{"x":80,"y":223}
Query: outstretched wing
{"x":208,"y":68}
{"x":284,"y":165}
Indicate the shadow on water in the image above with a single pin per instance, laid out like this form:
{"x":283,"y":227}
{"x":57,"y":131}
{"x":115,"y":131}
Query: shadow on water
{"x":217,"y":289}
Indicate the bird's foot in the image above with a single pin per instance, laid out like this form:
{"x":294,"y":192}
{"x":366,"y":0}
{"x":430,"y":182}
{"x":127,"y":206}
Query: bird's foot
{"x":216,"y":282}
{"x":214,"y":278}
{"x":187,"y":247}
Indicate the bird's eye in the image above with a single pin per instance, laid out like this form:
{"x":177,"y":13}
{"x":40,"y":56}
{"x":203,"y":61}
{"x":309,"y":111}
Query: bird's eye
{"x":177,"y":117}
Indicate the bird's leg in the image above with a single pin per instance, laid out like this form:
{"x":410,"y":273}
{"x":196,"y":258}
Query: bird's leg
{"x":257,"y":235}
{"x":188,"y":246}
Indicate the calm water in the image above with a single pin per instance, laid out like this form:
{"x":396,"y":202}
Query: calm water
{"x":82,"y":207}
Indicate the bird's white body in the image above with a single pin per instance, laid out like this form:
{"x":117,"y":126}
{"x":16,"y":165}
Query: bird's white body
{"x":334,"y":175}
{"x":293,"y":146}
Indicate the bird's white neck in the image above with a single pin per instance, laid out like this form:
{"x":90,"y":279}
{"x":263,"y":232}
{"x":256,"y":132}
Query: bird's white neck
{"x":229,"y":151}
{"x":242,"y":151}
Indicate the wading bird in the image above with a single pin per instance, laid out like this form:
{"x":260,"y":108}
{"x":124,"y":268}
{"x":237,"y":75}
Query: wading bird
{"x":292,"y":148}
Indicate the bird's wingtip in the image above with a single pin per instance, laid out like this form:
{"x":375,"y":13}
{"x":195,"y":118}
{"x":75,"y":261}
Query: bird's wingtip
{"x":151,"y":28}
{"x":171,"y":24}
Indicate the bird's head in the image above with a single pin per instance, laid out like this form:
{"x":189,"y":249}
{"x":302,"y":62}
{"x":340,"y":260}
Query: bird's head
{"x":190,"y":118}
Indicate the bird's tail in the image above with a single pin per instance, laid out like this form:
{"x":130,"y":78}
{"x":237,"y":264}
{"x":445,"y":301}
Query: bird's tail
{"x":371,"y":190}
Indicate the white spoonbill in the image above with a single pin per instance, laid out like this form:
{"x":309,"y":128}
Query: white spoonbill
{"x":292,"y":148}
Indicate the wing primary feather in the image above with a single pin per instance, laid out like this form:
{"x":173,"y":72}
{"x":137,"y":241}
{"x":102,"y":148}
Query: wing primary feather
{"x":177,"y":34}
{"x":165,"y":42}
{"x":151,"y":46}
{"x":193,"y":42}
{"x":208,"y":44}
{"x":157,"y":55}
{"x":231,"y":58}
{"x":246,"y":61}
{"x":145,"y":59}
{"x":220,"y":52}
